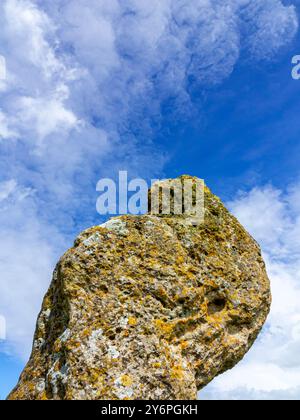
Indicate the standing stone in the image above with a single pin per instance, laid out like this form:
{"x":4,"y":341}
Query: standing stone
{"x":148,"y":307}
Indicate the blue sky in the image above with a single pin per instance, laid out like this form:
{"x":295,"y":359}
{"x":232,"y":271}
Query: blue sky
{"x":158,"y":88}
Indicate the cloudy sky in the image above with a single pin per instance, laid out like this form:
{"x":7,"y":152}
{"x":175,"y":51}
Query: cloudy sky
{"x":159,"y":89}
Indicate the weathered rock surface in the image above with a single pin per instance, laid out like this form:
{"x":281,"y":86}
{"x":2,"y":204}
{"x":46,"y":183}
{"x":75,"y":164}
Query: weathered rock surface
{"x":148,"y":307}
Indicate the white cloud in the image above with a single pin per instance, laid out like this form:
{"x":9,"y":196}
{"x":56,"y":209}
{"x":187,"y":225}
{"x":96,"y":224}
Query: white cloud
{"x":2,"y":70}
{"x":84,"y":82}
{"x":28,"y":250}
{"x":30,"y":26}
{"x":269,"y":24}
{"x":272,"y":368}
{"x":11,"y":192}
{"x":46,"y":115}
{"x":26,"y":258}
{"x":7,"y":188}
{"x":5,"y":132}
{"x":113,"y":59}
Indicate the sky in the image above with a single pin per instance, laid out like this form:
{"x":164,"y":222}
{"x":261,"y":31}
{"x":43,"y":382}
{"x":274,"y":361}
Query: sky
{"x":160,"y":89}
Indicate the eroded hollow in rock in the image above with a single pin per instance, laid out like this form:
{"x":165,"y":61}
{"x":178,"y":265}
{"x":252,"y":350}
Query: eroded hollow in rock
{"x":217,"y":305}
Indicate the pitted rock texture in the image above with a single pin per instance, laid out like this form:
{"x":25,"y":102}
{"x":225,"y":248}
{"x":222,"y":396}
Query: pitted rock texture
{"x":148,"y":307}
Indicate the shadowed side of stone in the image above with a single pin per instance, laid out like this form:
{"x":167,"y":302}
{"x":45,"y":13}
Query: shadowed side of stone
{"x":148,"y":307}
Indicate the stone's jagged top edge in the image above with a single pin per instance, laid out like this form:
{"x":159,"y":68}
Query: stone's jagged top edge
{"x":210,"y":197}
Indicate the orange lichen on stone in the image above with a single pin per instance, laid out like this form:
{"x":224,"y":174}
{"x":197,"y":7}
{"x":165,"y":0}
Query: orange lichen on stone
{"x":132,"y":321}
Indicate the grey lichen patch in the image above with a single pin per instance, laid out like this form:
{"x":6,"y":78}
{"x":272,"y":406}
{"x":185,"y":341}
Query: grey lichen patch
{"x":40,"y":386}
{"x":123,"y":387}
{"x":116,"y":225}
{"x":92,"y":240}
{"x":65,"y":335}
{"x":123,"y":322}
{"x":113,"y":352}
{"x":57,"y":378}
{"x":38,"y":343}
{"x":92,"y":346}
{"x":148,"y":307}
